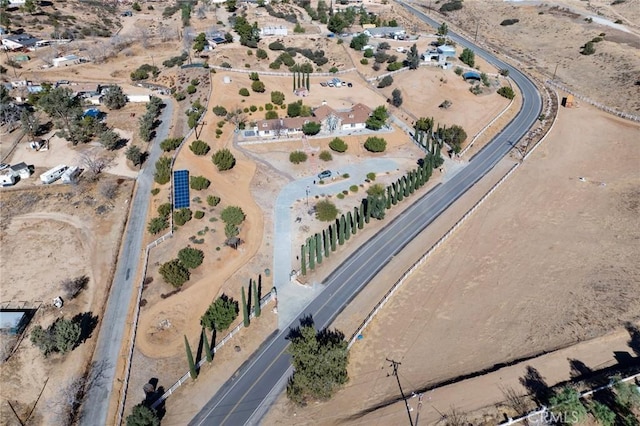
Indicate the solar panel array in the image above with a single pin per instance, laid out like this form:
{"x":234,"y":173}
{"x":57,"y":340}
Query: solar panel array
{"x":180,"y":189}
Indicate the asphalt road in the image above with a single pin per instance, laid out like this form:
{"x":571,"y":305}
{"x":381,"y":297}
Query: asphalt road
{"x":245,"y":398}
{"x":110,"y":337}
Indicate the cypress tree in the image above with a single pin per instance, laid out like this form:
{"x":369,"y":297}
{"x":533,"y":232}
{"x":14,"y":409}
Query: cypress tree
{"x":412,"y":182}
{"x":400,"y":190}
{"x":192,"y":365}
{"x":257,"y":310}
{"x":393,"y":193}
{"x":299,"y":84}
{"x":245,"y":309}
{"x":303,"y":260}
{"x":294,"y":81}
{"x":312,"y":253}
{"x":308,"y":85}
{"x":334,"y":236}
{"x":405,"y":185}
{"x":318,"y":238}
{"x":388,"y":197}
{"x":341,"y":230}
{"x":420,"y":174}
{"x":360,"y":217}
{"x":206,"y":347}
{"x":354,"y":221}
{"x":325,"y":239}
{"x":347,"y":231}
{"x":366,"y":205}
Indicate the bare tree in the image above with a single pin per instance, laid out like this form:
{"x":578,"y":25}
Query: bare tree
{"x":200,"y":12}
{"x":94,"y":162}
{"x":108,"y":189}
{"x":64,"y":405}
{"x":73,"y":286}
{"x":143,"y":36}
{"x":516,"y":401}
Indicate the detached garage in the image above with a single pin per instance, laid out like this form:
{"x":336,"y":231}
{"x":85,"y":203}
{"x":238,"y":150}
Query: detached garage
{"x":64,"y":61}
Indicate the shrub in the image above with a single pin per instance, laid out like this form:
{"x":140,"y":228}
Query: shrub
{"x":333,"y":70}
{"x":353,"y":188}
{"x":162,"y":174}
{"x":588,"y":48}
{"x":257,"y":86}
{"x":233,"y":215}
{"x":199,"y":147}
{"x":338,"y":145}
{"x":220,"y":314}
{"x":170,"y":144}
{"x":61,"y":336}
{"x":506,"y":92}
{"x":225,"y":65}
{"x":276,"y":45}
{"x":220,"y":111}
{"x":253,"y":108}
{"x":155,"y":191}
{"x":223,"y":159}
{"x":375,"y":144}
{"x":371,"y":176}
{"x":458,"y":71}
{"x":468,"y":57}
{"x":340,"y":196}
{"x":179,"y":96}
{"x":277,"y":97}
{"x":199,"y":214}
{"x":262,"y":54}
{"x":326,"y":156}
{"x":164,"y":210}
{"x":191,"y":89}
{"x":157,"y":224}
{"x":244,"y":92}
{"x":181,"y":216}
{"x":451,"y":6}
{"x":212,"y":200}
{"x":394,"y":66}
{"x":508,"y":22}
{"x":271,"y":115}
{"x":199,"y":182}
{"x":364,"y":61}
{"x":174,"y":273}
{"x":326,"y":211}
{"x":385,"y":82}
{"x":141,"y":415}
{"x":191,"y":258}
{"x":311,"y":128}
{"x":297,"y":157}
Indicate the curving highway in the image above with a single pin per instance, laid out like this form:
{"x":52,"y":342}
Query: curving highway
{"x":247,"y":396}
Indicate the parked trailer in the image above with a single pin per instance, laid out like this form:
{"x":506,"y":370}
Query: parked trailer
{"x":8,"y":178}
{"x":54,"y":174}
{"x":71,"y":175}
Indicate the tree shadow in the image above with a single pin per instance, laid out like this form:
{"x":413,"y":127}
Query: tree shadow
{"x":581,"y":372}
{"x":634,"y":333}
{"x":259,"y":286}
{"x":536,"y":385}
{"x":153,"y":392}
{"x":250,"y":296}
{"x":87,"y":322}
{"x":199,"y":352}
{"x":305,"y":321}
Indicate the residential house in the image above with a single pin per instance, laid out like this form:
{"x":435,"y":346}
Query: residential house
{"x":19,"y":41}
{"x":355,"y":118}
{"x":65,"y":60}
{"x":282,"y":127}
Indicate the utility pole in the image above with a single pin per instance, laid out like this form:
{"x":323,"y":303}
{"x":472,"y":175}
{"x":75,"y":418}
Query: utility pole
{"x":395,"y":366}
{"x":476,"y":36}
{"x":554,"y":71}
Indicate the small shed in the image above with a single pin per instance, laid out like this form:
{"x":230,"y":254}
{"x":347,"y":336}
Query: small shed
{"x":568,"y":101}
{"x":65,"y":60}
{"x":21,"y":58}
{"x":447,"y":50}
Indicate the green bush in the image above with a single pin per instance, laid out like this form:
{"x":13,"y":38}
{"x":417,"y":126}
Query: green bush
{"x":277,"y":98}
{"x":220,"y":314}
{"x":199,"y":183}
{"x":199,"y":147}
{"x":170,"y":144}
{"x":338,"y":145}
{"x":253,"y":108}
{"x":508,"y":22}
{"x":364,"y":61}
{"x":326,"y":156}
{"x":155,"y":191}
{"x":375,"y":144}
{"x":261,"y":54}
{"x":162,"y":174}
{"x":271,"y":115}
{"x":174,"y":273}
{"x":179,"y":96}
{"x":191,"y":89}
{"x":458,"y":70}
{"x":220,"y":111}
{"x":164,"y":210}
{"x":199,"y":214}
{"x":212,"y":200}
{"x":353,"y":188}
{"x":506,"y":92}
{"x":371,"y":176}
{"x":244,"y":92}
{"x":340,"y":196}
{"x":394,"y":66}
{"x":181,"y":216}
{"x":141,"y":415}
{"x":326,"y":211}
{"x":157,"y":224}
{"x":223,"y":159}
{"x":61,"y":336}
{"x":233,"y":215}
{"x":386,"y":81}
{"x":297,"y":157}
{"x":191,"y":258}
{"x":257,"y":86}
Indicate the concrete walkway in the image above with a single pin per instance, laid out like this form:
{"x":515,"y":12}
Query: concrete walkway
{"x":293,"y":297}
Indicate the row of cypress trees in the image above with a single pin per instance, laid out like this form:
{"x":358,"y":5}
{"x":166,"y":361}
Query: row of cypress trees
{"x":254,"y":287}
{"x":322,"y":244}
{"x":302,"y":80}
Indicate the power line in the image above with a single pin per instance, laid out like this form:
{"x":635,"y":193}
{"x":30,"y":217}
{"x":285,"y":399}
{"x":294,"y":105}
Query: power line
{"x":395,"y":366}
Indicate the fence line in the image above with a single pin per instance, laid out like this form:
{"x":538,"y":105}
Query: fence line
{"x":263,"y":302}
{"x":543,"y":409}
{"x":153,"y":244}
{"x":596,"y":104}
{"x":425,"y":256}
{"x":282,"y":73}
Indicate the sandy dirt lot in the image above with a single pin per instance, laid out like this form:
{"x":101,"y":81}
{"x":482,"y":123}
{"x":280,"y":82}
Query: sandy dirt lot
{"x":546,"y":245}
{"x":550,"y":35}
{"x":60,"y":232}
